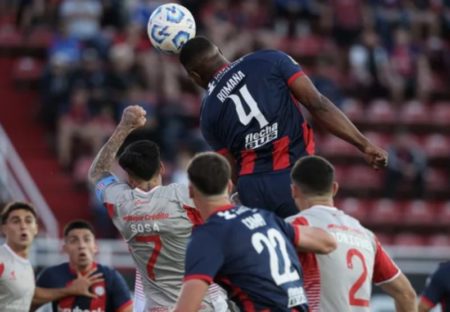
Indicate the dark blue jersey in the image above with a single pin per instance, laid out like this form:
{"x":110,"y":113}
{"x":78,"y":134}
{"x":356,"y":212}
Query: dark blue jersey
{"x":250,"y":112}
{"x":112,"y":293}
{"x":438,"y":288}
{"x":250,"y":253}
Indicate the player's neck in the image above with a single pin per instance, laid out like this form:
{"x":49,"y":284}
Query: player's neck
{"x":147,"y":186}
{"x":208,"y":205}
{"x":20,"y":251}
{"x":309,"y":202}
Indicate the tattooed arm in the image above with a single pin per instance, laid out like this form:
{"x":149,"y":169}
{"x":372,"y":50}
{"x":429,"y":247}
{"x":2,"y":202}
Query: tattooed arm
{"x":329,"y":116}
{"x":133,"y":117}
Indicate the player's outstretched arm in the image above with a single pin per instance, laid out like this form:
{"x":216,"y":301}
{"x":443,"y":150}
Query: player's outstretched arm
{"x":328,"y":115}
{"x":79,"y":287}
{"x":191,"y":296}
{"x":314,"y":239}
{"x":402,"y":292}
{"x":132,"y":117}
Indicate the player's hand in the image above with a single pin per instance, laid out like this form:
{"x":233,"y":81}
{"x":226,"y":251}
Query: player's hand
{"x":81,"y":285}
{"x":133,"y":117}
{"x":375,"y":156}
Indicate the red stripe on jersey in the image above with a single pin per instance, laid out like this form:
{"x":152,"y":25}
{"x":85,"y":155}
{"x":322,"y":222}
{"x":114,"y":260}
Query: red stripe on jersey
{"x":203,"y":277}
{"x":308,"y":138}
{"x":66,"y":302}
{"x":2,"y":269}
{"x":124,"y":306}
{"x":247,"y":162}
{"x":98,"y":303}
{"x":193,"y":215}
{"x":240,"y":295}
{"x":110,"y":208}
{"x":384,"y":268}
{"x":430,"y":304}
{"x":222,"y":151}
{"x":294,"y":77}
{"x":280,"y":153}
{"x":311,"y":279}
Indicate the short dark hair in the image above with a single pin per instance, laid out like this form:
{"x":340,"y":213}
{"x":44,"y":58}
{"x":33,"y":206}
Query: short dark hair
{"x":194,"y":49}
{"x":16,"y":205}
{"x":77,"y":225}
{"x":209,"y":172}
{"x":141,"y":159}
{"x":314,"y":175}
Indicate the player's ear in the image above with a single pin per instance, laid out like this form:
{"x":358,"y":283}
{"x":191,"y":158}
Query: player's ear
{"x":191,"y":191}
{"x":162,"y":169}
{"x":335,"y":188}
{"x":230,"y":187}
{"x":294,"y":191}
{"x":196,"y":77}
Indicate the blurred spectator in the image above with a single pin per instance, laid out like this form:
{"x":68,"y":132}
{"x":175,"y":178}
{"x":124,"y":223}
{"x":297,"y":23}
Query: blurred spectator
{"x":370,"y":67}
{"x":407,"y":165}
{"x":82,"y":18}
{"x":325,"y":80}
{"x":63,"y":44}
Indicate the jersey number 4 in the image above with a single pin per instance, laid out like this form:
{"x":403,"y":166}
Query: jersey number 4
{"x":276,"y":245}
{"x":254,"y":112}
{"x":351,"y":254}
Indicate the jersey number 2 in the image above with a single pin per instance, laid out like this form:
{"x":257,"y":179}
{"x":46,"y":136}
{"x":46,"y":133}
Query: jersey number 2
{"x":276,"y":245}
{"x":254,"y":112}
{"x":360,"y":281}
{"x":154,"y":256}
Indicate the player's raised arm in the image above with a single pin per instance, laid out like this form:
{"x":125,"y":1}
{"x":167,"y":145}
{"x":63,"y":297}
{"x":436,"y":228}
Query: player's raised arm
{"x":132,"y":117}
{"x":328,"y":115}
{"x":314,"y":239}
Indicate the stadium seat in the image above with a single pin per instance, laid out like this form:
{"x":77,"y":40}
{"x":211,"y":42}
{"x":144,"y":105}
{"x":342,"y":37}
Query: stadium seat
{"x":10,"y":38}
{"x":409,"y":239}
{"x":332,"y":145}
{"x":436,"y":180}
{"x":414,"y":112}
{"x":439,"y":240}
{"x":384,"y":239}
{"x":418,"y":212}
{"x":355,"y":208}
{"x":353,"y":109}
{"x":362,"y":177}
{"x":40,"y":38}
{"x":379,"y":139}
{"x":386,"y":211}
{"x":441,"y":113}
{"x":437,"y":145}
{"x":27,"y":70}
{"x":443,"y":213}
{"x":381,"y":112}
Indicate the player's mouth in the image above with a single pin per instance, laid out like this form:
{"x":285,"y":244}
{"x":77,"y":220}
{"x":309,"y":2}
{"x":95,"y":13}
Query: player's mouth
{"x":24,"y":236}
{"x":82,"y":255}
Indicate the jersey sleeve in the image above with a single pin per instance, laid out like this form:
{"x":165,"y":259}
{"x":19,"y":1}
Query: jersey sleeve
{"x":120,"y":293}
{"x":385,"y":270}
{"x":45,"y":279}
{"x":289,"y":69}
{"x":435,"y":289}
{"x":204,"y":257}
{"x":209,"y":133}
{"x":108,"y":190}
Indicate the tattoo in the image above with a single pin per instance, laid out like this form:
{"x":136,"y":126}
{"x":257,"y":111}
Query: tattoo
{"x":103,"y":161}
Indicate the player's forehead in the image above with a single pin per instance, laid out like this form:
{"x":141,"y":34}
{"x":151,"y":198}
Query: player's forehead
{"x":20,"y":213}
{"x":79,"y":233}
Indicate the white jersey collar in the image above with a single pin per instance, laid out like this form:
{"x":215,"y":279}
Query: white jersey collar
{"x":148,"y":192}
{"x":21,"y":259}
{"x":334,"y":209}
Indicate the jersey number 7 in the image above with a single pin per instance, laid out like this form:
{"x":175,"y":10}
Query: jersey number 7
{"x":276,"y":245}
{"x":154,"y":256}
{"x":254,"y":112}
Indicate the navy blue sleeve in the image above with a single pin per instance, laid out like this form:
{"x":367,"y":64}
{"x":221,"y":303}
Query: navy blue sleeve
{"x":119,"y":292}
{"x":291,"y":231}
{"x":204,"y":256}
{"x":287,"y":67}
{"x":209,"y":133}
{"x":435,"y":289}
{"x":45,"y":279}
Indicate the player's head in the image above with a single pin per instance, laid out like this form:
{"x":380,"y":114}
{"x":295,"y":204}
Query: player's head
{"x":142,"y":161}
{"x":79,"y":244}
{"x":209,"y":176}
{"x":313,"y":181}
{"x":19,"y":225}
{"x":202,"y":59}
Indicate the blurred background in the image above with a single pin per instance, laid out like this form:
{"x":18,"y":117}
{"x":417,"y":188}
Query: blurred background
{"x":70,"y":67}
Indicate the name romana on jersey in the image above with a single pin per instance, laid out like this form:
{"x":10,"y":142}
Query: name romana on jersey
{"x":231,"y":84}
{"x":77,"y":309}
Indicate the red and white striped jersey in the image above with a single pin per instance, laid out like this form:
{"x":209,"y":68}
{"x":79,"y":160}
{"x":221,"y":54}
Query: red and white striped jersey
{"x":342,"y":280}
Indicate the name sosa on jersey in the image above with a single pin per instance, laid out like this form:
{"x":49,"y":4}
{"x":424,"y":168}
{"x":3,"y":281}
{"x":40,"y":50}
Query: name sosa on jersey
{"x":77,"y":309}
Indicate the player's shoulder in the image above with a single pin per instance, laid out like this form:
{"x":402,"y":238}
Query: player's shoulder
{"x":444,"y":267}
{"x":59,"y":271}
{"x":265,"y":55}
{"x":173,"y":191}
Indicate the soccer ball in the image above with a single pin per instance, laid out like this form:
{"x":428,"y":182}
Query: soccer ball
{"x":170,"y":26}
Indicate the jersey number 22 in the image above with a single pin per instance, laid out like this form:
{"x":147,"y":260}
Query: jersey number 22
{"x":276,"y":245}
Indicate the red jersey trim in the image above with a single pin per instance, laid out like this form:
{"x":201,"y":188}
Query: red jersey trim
{"x":280,"y":153}
{"x":124,"y":306}
{"x":206,"y":278}
{"x":296,"y":234}
{"x":110,"y":208}
{"x":193,"y":215}
{"x":223,"y":151}
{"x":427,"y":301}
{"x":308,"y":139}
{"x":389,"y":279}
{"x":294,"y":77}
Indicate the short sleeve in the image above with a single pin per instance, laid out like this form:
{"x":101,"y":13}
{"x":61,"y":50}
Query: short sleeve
{"x":108,"y":190}
{"x":120,"y":293}
{"x":204,"y":257}
{"x":434,"y":291}
{"x":45,"y":279}
{"x":385,"y":269}
{"x":289,"y":69}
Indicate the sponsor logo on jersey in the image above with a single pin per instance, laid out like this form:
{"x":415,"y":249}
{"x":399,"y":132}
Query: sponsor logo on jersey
{"x":230,"y":85}
{"x":263,"y":136}
{"x":77,"y":309}
{"x":296,"y":296}
{"x":99,"y":290}
{"x":146,"y":217}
